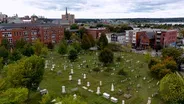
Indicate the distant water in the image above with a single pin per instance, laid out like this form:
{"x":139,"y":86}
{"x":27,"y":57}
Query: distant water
{"x":171,"y":23}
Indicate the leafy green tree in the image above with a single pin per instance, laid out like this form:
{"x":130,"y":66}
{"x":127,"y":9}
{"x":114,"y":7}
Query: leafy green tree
{"x":4,"y":53}
{"x":102,"y":42}
{"x":106,"y":56}
{"x":67,"y":34}
{"x":20,"y":43}
{"x":74,"y":38}
{"x":27,"y":50}
{"x":5,"y":43}
{"x":74,"y":26}
{"x":85,"y":44}
{"x":62,"y":49}
{"x":77,"y":46}
{"x":172,"y":52}
{"x":72,"y":55}
{"x":147,"y":57}
{"x":92,"y":40}
{"x":14,"y":96}
{"x":1,"y":63}
{"x":15,"y":55}
{"x":27,"y":72}
{"x":45,"y":99}
{"x":70,"y":100}
{"x":44,"y":51}
{"x":50,"y":45}
{"x":172,"y":89}
{"x":82,"y":31}
{"x":37,"y":46}
{"x":153,"y":61}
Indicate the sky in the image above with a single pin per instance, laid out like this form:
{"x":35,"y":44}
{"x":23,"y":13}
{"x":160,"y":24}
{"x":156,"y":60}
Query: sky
{"x":95,"y":8}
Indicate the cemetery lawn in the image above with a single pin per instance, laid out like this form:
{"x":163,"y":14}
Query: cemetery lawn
{"x":134,"y":67}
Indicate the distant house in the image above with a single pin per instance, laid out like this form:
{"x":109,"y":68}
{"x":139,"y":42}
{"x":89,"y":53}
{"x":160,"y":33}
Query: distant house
{"x":118,"y":38}
{"x":96,"y":32}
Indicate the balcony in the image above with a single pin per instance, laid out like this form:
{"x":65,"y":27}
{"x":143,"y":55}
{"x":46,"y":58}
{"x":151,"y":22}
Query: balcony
{"x":157,"y":40}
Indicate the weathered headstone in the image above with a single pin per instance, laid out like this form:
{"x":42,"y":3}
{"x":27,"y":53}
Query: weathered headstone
{"x":63,"y":89}
{"x":70,"y":77}
{"x":149,"y":100}
{"x":114,"y":100}
{"x":98,"y":91}
{"x":84,"y":76}
{"x":112,"y":87}
{"x":88,"y":84}
{"x":74,"y":96}
{"x":79,"y":81}
{"x":71,"y":71}
{"x":100,"y":83}
{"x":106,"y":95}
{"x":123,"y":101}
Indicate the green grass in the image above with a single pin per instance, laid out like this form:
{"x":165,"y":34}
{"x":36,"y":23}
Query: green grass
{"x":54,"y":82}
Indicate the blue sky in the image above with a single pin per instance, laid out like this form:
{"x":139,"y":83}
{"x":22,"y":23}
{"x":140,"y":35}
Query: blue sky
{"x":95,"y":8}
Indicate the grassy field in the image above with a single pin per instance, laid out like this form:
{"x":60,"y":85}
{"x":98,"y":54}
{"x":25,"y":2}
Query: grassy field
{"x":134,"y":67}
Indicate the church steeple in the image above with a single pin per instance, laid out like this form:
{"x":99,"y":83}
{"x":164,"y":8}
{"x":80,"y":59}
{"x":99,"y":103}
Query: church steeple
{"x":66,"y":14}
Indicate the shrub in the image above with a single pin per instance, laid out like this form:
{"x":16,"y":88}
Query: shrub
{"x":114,"y":47}
{"x":96,"y":69}
{"x":106,"y":56}
{"x":152,"y":62}
{"x":155,"y":69}
{"x":118,"y":59}
{"x":108,"y":69}
{"x":121,"y":72}
{"x":72,"y":55}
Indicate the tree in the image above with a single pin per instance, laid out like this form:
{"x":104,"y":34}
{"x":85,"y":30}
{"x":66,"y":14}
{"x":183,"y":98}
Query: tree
{"x":152,"y":62}
{"x":50,"y":45}
{"x":74,"y":26}
{"x":62,"y":48}
{"x":172,"y":89}
{"x":4,"y":53}
{"x":20,"y":43}
{"x":15,"y":55}
{"x":37,"y":46}
{"x":1,"y":63}
{"x":5,"y":43}
{"x":82,"y":31}
{"x":106,"y":56}
{"x":102,"y":42}
{"x":72,"y":55}
{"x":85,"y":44}
{"x":92,"y":40}
{"x":14,"y":96}
{"x":74,"y":38}
{"x":27,"y":50}
{"x":67,"y":34}
{"x":44,"y":51}
{"x":172,"y":52}
{"x":27,"y":72}
{"x":76,"y":46}
{"x":45,"y":99}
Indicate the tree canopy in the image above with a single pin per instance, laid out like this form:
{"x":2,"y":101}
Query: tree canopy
{"x":106,"y":56}
{"x":172,"y":89}
{"x":102,"y":42}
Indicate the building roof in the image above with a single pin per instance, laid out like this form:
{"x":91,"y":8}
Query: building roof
{"x":19,"y":25}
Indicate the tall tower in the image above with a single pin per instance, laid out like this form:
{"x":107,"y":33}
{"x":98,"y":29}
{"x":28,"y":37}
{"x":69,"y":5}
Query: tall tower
{"x":66,"y":14}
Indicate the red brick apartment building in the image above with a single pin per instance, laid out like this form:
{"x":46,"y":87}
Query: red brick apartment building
{"x":165,"y":37}
{"x":96,"y":32}
{"x":46,"y":33}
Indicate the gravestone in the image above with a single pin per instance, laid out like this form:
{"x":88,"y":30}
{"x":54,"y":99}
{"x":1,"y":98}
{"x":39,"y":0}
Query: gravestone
{"x":106,"y":95}
{"x":114,"y":100}
{"x":98,"y":91}
{"x":74,"y":89}
{"x":123,"y":101}
{"x":70,"y":77}
{"x":79,"y":81}
{"x":74,"y":96}
{"x":127,"y":96}
{"x":84,"y":76}
{"x":88,"y":84}
{"x":64,"y":67}
{"x":112,"y":87}
{"x":100,"y":83}
{"x":59,"y":72}
{"x":71,"y":71}
{"x":63,"y":89}
{"x":149,"y":100}
{"x":44,"y":91}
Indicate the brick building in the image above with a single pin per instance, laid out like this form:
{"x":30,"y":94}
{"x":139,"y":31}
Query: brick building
{"x":96,"y":32}
{"x":46,"y":33}
{"x":68,"y":17}
{"x":165,"y":38}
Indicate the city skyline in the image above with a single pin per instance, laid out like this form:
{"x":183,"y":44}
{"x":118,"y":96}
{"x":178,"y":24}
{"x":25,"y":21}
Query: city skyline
{"x":95,"y":8}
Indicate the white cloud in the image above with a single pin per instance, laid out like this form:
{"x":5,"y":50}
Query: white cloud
{"x":95,"y":8}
